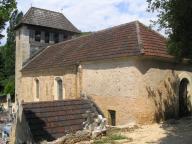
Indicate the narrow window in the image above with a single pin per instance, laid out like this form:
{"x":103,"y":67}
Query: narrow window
{"x":37,"y":88}
{"x":47,"y":37}
{"x":60,"y":89}
{"x":19,"y":34}
{"x":64,"y":36}
{"x":112,"y":117}
{"x":37,"y":36}
{"x":31,"y":35}
{"x":56,"y":37}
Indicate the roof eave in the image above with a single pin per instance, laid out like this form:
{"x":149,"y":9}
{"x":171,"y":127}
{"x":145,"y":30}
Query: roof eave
{"x":20,"y":24}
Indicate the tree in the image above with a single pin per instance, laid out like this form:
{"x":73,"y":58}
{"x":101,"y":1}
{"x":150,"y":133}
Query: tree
{"x":1,"y":73}
{"x":8,"y":55}
{"x":175,"y":17}
{"x":6,"y":9}
{"x":10,"y":46}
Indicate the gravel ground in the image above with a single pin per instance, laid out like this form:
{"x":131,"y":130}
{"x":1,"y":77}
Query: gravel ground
{"x":170,"y":132}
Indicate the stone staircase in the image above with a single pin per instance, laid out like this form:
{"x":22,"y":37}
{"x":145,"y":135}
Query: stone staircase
{"x":53,"y":119}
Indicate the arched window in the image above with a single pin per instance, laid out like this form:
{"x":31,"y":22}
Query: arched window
{"x":59,"y":88}
{"x":37,"y":88}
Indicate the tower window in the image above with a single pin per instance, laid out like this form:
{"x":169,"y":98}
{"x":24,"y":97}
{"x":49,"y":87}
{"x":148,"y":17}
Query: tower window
{"x":37,"y":88}
{"x":38,"y":36}
{"x":46,"y":37}
{"x":65,"y":36}
{"x":59,"y":89}
{"x":56,"y":37}
{"x":19,"y":34}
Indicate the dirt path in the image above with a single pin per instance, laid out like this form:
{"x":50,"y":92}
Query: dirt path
{"x":171,"y":132}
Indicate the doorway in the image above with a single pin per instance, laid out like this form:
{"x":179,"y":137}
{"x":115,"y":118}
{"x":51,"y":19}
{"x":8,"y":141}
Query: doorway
{"x":112,"y":117}
{"x":183,"y":99}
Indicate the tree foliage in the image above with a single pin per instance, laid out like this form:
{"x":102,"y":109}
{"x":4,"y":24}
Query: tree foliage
{"x":175,"y":16}
{"x":10,"y":46}
{"x":6,"y":9}
{"x":8,"y":56}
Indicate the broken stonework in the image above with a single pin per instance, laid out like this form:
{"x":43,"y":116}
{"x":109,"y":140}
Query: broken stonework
{"x":72,"y":138}
{"x":95,"y":124}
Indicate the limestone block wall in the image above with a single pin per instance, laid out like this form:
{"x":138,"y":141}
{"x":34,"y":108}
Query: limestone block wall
{"x":140,"y":90}
{"x":22,"y":54}
{"x":47,"y":85}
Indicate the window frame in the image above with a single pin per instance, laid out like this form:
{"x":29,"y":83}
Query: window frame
{"x":59,"y":89}
{"x":56,"y":37}
{"x":47,"y":35}
{"x":37,"y":36}
{"x":37,"y":89}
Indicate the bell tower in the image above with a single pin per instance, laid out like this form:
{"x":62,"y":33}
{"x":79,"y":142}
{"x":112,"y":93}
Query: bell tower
{"x":38,"y":29}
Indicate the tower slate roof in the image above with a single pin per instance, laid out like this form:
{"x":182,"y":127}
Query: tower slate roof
{"x":46,"y":18}
{"x":131,"y":39}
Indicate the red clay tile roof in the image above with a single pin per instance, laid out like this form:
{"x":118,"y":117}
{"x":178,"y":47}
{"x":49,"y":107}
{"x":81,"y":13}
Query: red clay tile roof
{"x":51,"y":120}
{"x":153,"y":43}
{"x":130,"y":39}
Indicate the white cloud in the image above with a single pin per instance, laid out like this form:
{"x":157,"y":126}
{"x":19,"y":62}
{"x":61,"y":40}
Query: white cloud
{"x":93,"y":15}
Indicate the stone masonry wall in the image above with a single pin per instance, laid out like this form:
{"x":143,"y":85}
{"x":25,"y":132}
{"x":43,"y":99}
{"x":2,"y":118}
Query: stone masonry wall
{"x":22,"y":54}
{"x":48,"y":85}
{"x":139,"y":90}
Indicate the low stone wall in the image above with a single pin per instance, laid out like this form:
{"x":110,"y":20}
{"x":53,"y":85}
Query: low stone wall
{"x":21,"y":132}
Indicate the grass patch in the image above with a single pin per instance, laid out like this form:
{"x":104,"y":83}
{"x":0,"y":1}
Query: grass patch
{"x":117,"y":137}
{"x":110,"y":139}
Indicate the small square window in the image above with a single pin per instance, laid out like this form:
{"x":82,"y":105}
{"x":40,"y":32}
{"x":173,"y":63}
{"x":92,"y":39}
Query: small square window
{"x":37,"y":36}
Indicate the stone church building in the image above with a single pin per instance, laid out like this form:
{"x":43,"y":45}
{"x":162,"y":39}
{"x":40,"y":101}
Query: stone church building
{"x":126,"y":70}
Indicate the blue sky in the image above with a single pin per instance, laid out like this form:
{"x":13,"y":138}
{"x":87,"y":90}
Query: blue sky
{"x":93,"y":15}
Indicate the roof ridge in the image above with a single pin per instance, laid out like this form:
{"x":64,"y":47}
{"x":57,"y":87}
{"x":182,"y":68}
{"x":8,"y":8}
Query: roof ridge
{"x":46,"y":10}
{"x":152,"y":30}
{"x":25,"y":15}
{"x":92,"y":34}
{"x":112,"y":27}
{"x":70,"y":22}
{"x":140,"y":42}
{"x":96,"y":32}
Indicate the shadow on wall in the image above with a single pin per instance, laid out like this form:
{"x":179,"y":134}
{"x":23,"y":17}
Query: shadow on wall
{"x":30,"y":129}
{"x":38,"y":127}
{"x":165,"y":98}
